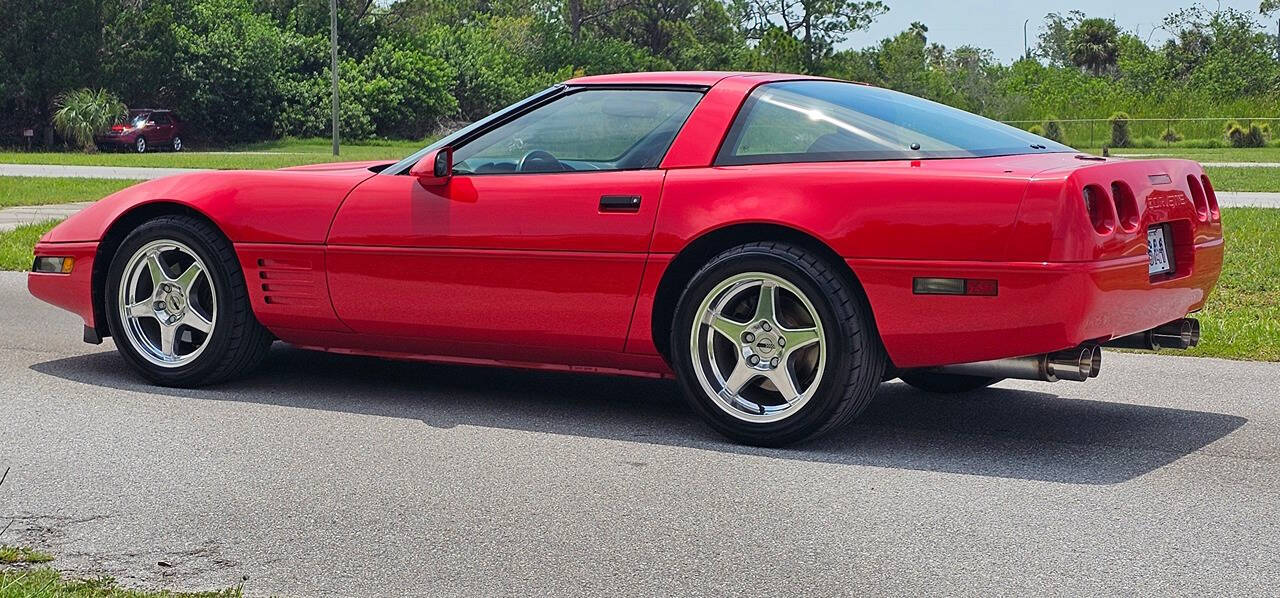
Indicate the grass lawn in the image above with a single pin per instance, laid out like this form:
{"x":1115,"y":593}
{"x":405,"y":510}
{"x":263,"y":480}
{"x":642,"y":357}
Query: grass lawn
{"x":1222,"y":154}
{"x":48,"y":583}
{"x":16,"y":245}
{"x":30,"y":191}
{"x":1242,"y":318}
{"x":12,"y":555}
{"x":1245,"y":179}
{"x":265,"y":155}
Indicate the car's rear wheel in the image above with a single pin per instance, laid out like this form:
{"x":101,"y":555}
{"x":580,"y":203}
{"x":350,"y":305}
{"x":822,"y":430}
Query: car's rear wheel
{"x":177,"y":143}
{"x":178,"y":307}
{"x":140,"y":145}
{"x":946,"y":383}
{"x":772,"y":345}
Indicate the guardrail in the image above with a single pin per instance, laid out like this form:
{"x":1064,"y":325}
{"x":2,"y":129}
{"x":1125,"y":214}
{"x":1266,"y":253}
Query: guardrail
{"x":1150,"y":132}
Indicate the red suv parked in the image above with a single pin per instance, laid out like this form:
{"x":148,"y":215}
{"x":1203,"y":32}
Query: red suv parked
{"x":143,"y":130}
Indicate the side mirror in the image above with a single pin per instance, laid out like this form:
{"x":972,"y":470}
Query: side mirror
{"x":435,"y":168}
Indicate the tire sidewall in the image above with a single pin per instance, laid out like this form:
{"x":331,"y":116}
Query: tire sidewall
{"x":821,"y":406}
{"x":219,"y":340}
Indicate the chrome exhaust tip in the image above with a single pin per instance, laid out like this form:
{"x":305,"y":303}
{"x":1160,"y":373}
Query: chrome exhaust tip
{"x":1073,"y":364}
{"x":1178,"y":334}
{"x":1078,"y":364}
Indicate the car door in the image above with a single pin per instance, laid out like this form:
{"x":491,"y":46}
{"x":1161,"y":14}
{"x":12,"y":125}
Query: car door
{"x":162,"y":132}
{"x":537,"y":241}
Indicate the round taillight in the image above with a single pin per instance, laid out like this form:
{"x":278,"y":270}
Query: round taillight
{"x":1197,"y":196}
{"x":1215,"y":214}
{"x":1126,"y":206}
{"x":1102,"y":214}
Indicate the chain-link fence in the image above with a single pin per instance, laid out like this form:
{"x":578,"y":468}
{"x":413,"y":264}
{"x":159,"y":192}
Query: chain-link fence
{"x":1152,"y":132}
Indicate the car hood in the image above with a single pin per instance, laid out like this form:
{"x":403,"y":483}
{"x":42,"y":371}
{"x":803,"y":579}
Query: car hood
{"x":333,"y":166}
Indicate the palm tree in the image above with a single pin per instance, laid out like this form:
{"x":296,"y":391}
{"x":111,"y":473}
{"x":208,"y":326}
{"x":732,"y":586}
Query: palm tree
{"x":83,"y":113}
{"x":1093,"y":45}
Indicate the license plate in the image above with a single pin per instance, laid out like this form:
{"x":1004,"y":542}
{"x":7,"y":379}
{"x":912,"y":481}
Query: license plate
{"x":1158,"y":250}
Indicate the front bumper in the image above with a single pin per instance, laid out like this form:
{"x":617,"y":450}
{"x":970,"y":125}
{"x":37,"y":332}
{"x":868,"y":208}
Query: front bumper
{"x":74,"y":291}
{"x":1041,"y":307}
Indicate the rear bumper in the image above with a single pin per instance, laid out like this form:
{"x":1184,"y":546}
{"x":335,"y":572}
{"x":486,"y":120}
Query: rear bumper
{"x":72,"y":292}
{"x":1041,"y":307}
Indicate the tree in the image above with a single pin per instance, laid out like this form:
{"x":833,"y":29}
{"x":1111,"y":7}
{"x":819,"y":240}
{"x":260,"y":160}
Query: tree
{"x":817,"y":24}
{"x":1093,"y":45}
{"x":83,"y":113}
{"x":1054,"y":43}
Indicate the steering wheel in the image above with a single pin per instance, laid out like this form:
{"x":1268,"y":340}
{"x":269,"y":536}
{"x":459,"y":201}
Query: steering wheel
{"x":531,"y":160}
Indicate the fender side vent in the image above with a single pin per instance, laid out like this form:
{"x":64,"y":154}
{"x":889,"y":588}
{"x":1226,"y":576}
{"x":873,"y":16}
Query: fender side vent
{"x":288,"y":282}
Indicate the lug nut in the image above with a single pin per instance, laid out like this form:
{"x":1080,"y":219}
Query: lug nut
{"x":782,"y":342}
{"x":774,"y":362}
{"x":748,"y":337}
{"x":765,"y":326}
{"x":753,"y":360}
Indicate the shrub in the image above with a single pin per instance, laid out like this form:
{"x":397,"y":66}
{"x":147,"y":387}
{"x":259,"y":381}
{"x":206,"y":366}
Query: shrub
{"x":1251,"y":135}
{"x":1119,"y":129}
{"x":1036,"y":130}
{"x":1053,"y":129}
{"x":1170,"y":135}
{"x":83,"y":113}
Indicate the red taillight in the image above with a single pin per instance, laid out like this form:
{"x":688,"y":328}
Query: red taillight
{"x":1102,"y":214}
{"x":1198,"y":197}
{"x":1126,"y":206}
{"x":1215,"y":214}
{"x":117,"y":128}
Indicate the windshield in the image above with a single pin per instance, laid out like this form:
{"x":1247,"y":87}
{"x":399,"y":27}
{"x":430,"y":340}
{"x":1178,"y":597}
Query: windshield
{"x":813,"y":121}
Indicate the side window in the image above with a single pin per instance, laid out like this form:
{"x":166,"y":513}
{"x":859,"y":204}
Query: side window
{"x":160,"y":118}
{"x":816,"y":121}
{"x":594,"y":129}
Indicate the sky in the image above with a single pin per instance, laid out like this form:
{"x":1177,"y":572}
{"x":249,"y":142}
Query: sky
{"x":998,"y":25}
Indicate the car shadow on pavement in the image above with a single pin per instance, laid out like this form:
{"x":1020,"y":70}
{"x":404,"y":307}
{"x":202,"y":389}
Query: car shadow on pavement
{"x":997,"y":432}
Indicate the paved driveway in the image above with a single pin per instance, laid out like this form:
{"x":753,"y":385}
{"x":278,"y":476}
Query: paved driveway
{"x":328,"y":475}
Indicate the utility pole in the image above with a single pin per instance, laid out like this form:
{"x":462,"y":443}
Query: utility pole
{"x":333,"y":51}
{"x":1026,"y":50}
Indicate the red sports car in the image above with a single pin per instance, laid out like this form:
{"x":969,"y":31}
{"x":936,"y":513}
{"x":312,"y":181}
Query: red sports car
{"x":780,"y":244}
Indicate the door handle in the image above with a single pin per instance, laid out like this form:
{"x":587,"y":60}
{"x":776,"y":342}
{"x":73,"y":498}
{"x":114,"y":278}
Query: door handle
{"x":619,"y":203}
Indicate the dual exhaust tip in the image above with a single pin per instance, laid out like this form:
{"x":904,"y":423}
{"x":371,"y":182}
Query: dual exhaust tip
{"x":1178,"y":334}
{"x":1083,"y":362}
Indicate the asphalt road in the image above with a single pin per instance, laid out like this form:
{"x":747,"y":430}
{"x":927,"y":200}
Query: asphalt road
{"x":332,"y":475}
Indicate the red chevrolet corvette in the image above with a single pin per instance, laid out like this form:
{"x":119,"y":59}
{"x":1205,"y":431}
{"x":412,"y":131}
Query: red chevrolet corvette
{"x":780,"y":244}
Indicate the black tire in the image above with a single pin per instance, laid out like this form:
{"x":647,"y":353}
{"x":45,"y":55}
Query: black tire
{"x":175,"y":144}
{"x":237,"y":342}
{"x":947,"y":383}
{"x":855,"y":357}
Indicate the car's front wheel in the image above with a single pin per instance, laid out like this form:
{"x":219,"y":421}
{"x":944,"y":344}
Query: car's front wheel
{"x":773,"y":345}
{"x":178,"y":307}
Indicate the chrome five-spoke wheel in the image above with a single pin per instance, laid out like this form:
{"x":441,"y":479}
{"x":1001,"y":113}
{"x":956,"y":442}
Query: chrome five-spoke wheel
{"x":758,"y":347}
{"x":167,"y":303}
{"x":772,"y":343}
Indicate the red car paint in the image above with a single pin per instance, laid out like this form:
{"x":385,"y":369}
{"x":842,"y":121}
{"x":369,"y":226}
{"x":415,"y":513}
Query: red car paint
{"x":528,"y":271}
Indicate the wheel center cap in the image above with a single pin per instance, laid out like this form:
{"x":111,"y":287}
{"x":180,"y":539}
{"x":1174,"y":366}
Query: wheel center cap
{"x":174,"y":303}
{"x":765,"y":345}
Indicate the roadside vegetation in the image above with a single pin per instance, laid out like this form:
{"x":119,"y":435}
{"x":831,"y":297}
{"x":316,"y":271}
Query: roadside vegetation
{"x":1245,"y":179}
{"x":16,"y":245}
{"x":48,"y":583}
{"x":21,"y":555}
{"x":251,"y":70}
{"x":32,"y":191}
{"x":262,"y":155}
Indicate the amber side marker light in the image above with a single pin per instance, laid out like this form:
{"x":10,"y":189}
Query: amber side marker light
{"x":980,"y":287}
{"x":53,"y":265}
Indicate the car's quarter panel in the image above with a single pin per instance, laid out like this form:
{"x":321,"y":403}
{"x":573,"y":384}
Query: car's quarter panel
{"x":519,"y":261}
{"x":248,"y":206}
